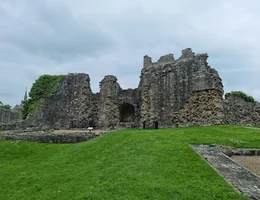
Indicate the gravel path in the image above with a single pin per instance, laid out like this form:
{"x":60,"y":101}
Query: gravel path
{"x":250,"y":162}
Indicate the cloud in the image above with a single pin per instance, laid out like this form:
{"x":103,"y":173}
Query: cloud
{"x":111,"y":37}
{"x":50,"y":30}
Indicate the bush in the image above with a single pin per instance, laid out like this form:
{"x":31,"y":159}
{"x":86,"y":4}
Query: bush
{"x":45,"y":86}
{"x":243,"y":95}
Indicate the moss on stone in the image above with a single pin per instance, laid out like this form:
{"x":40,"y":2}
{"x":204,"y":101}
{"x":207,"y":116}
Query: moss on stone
{"x":243,"y":95}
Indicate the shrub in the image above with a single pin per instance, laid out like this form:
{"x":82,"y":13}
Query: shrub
{"x":243,"y":95}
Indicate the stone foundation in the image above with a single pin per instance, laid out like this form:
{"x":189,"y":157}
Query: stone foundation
{"x":60,"y":137}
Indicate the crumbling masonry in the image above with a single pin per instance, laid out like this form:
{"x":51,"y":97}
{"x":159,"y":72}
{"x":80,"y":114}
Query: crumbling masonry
{"x":171,"y":93}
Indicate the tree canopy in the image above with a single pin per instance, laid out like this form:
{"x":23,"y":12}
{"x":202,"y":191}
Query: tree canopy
{"x":5,"y":106}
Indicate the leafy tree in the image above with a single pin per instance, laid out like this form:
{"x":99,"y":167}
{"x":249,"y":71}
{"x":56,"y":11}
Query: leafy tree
{"x":5,"y":106}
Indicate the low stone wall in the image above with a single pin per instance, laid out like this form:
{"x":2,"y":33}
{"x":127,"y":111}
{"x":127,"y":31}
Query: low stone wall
{"x":50,"y":136}
{"x":231,"y":151}
{"x":238,"y":111}
{"x":8,"y":116}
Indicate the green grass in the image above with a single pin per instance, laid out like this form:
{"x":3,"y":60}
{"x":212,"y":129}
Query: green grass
{"x":127,"y":164}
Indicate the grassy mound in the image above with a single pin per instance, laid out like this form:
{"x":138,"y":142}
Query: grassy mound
{"x":127,"y":164}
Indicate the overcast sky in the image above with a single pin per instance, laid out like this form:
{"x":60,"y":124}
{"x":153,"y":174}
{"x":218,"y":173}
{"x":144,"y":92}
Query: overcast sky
{"x":111,"y":37}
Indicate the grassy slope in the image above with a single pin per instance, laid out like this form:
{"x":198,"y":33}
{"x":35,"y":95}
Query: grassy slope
{"x":127,"y":164}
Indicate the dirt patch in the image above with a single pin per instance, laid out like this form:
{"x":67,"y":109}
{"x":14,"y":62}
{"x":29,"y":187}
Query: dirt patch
{"x":250,"y":162}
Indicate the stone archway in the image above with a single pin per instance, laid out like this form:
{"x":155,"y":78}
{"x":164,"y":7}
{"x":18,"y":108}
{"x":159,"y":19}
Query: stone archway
{"x":127,"y":113}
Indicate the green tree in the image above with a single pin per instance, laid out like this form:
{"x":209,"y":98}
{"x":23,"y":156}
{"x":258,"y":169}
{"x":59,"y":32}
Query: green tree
{"x":5,"y":106}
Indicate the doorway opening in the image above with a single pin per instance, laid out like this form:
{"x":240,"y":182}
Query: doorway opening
{"x":156,"y":125}
{"x":127,"y":113}
{"x":143,"y":125}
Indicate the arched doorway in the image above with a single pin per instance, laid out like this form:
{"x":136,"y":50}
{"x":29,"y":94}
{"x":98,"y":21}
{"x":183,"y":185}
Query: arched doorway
{"x":127,"y":112}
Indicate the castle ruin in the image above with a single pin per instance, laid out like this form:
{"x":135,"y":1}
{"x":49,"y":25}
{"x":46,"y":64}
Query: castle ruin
{"x":171,"y":93}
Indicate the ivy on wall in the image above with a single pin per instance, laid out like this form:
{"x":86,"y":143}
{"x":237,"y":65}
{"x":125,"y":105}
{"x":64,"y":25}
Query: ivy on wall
{"x":45,"y":86}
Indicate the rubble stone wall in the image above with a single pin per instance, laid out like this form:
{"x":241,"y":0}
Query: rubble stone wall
{"x":108,"y":111}
{"x":202,"y":108}
{"x":238,"y":111}
{"x":70,"y":107}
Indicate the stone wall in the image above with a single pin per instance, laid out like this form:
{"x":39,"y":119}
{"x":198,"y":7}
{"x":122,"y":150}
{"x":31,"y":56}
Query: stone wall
{"x":111,"y":104}
{"x":70,"y":107}
{"x":129,"y":97}
{"x":182,"y":92}
{"x":8,"y":116}
{"x":167,"y":84}
{"x":108,"y":112}
{"x":240,"y":112}
{"x":202,"y":108}
{"x":74,"y":106}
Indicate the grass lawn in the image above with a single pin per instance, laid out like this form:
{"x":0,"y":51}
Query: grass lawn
{"x":127,"y":164}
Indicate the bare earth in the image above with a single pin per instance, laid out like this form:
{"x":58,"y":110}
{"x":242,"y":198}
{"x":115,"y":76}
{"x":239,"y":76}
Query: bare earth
{"x":250,"y":162}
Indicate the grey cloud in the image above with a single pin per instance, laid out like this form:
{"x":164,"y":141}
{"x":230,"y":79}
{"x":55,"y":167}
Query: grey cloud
{"x":111,"y":37}
{"x":50,"y":30}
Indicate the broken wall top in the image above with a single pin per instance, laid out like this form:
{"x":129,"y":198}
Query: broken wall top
{"x":191,"y":66}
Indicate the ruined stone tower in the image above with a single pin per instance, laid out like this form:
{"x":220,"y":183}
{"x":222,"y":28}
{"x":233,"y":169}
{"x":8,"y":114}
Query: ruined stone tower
{"x":108,"y":112}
